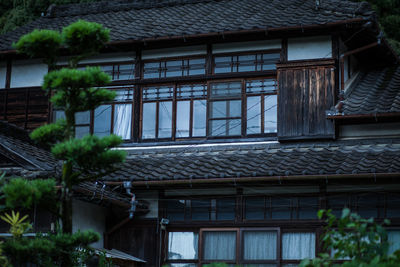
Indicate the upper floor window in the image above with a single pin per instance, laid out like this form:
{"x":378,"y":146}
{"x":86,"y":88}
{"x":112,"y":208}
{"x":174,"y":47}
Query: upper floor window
{"x":232,"y":108}
{"x":246,"y":62}
{"x":174,"y":68}
{"x":117,"y":71}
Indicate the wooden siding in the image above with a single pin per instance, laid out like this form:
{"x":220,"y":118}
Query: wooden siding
{"x":25,"y":107}
{"x":306,"y":91}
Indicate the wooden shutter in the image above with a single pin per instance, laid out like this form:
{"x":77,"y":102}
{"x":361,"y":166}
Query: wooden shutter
{"x":306,"y":91}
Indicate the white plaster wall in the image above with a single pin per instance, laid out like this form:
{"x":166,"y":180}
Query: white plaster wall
{"x":372,"y":130}
{"x":88,"y":216}
{"x":174,"y":52}
{"x":103,"y":58}
{"x":25,"y":73}
{"x":152,"y":198}
{"x":3,"y":71}
{"x":309,"y":47}
{"x":246,"y":46}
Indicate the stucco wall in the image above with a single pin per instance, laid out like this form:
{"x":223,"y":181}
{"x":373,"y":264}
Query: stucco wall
{"x":309,"y":48}
{"x":247,"y":46}
{"x":26,"y":73}
{"x":174,"y":52}
{"x":89,"y":216}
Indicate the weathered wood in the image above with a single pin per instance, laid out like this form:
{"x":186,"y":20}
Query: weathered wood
{"x":306,"y":91}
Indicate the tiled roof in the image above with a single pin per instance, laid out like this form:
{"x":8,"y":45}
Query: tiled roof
{"x":16,"y":141}
{"x":260,"y":160}
{"x":377,"y":91}
{"x":140,"y":19}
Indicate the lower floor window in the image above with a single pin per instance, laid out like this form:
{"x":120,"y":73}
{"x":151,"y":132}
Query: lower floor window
{"x":240,"y":246}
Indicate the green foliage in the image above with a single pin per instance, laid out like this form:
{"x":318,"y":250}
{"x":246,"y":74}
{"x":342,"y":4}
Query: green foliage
{"x":48,"y":250}
{"x":18,"y":225}
{"x":22,"y":193}
{"x":84,"y":38}
{"x":351,"y":237}
{"x":104,"y":261}
{"x":40,"y":43}
{"x":49,"y":134}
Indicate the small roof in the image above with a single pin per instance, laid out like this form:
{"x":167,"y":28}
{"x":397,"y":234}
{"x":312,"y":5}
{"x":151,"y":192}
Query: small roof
{"x":260,"y":159}
{"x":117,"y":254}
{"x":376,"y":91}
{"x":140,"y":20}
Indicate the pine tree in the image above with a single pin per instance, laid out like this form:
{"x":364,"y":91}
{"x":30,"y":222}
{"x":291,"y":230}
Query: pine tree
{"x":72,"y":90}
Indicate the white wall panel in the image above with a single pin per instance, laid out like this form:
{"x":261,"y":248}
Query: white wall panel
{"x":175,"y":52}
{"x":103,"y":58}
{"x":246,"y":46}
{"x":3,"y":72}
{"x":309,"y":48}
{"x":87,"y":216}
{"x":25,"y":73}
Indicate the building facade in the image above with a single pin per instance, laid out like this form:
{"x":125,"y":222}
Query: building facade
{"x":241,"y":120}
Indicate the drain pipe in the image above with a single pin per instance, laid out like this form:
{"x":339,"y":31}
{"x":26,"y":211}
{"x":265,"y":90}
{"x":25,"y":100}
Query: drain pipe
{"x":127,"y":186}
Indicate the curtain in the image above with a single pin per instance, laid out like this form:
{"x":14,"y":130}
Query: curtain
{"x":123,"y":120}
{"x":260,"y":245}
{"x":394,"y":241}
{"x":219,"y":245}
{"x":182,"y":245}
{"x":297,"y":246}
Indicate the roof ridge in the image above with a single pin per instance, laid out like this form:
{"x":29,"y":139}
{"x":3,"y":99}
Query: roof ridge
{"x":76,"y":9}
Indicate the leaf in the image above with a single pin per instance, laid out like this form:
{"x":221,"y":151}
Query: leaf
{"x":345,"y":213}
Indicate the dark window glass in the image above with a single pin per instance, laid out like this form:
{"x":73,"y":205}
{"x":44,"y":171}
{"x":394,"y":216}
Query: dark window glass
{"x":219,"y":245}
{"x":102,"y":120}
{"x":245,"y":63}
{"x":367,"y":205}
{"x":308,"y":207}
{"x":123,"y":71}
{"x":393,"y":205}
{"x":174,"y":68}
{"x":254,"y":208}
{"x":338,"y":203}
{"x":201,"y":209}
{"x":226,"y":209}
{"x":281,"y":208}
{"x":176,"y":210}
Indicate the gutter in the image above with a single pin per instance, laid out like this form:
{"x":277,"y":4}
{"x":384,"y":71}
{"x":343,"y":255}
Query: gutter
{"x":259,"y":179}
{"x":365,"y":116}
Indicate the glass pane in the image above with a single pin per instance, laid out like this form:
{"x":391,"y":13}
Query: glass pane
{"x":81,"y":131}
{"x":254,"y":208}
{"x":174,"y":68}
{"x":176,"y":209}
{"x":218,"y":109}
{"x":270,"y":61}
{"x":234,"y":127}
{"x":218,"y":128}
{"x":199,"y":117}
{"x":281,"y":208}
{"x":197,"y":66}
{"x":226,"y":89}
{"x":58,"y":114}
{"x":151,"y":70}
{"x":226,"y":209}
{"x":82,"y":117}
{"x":108,"y":69}
{"x":297,"y":246}
{"x":182,"y":119}
{"x":124,"y":94}
{"x":261,"y":265}
{"x":253,"y":115}
{"x":260,"y":245}
{"x":393,"y":206}
{"x":191,"y":90}
{"x":235,"y":108}
{"x":183,"y":245}
{"x":367,"y":205}
{"x":222,"y":64}
{"x":219,"y":245}
{"x":102,"y":121}
{"x":337,"y":204}
{"x":308,"y":207}
{"x":126,"y":72}
{"x":123,"y":120}
{"x":247,"y":63}
{"x":394,"y":240}
{"x":270,"y":114}
{"x":200,"y":210}
{"x":149,"y":120}
{"x":183,"y":265}
{"x":165,"y":119}
{"x":261,"y":86}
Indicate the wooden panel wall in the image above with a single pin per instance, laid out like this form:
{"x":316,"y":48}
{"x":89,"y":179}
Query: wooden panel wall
{"x":306,"y":91}
{"x":27,"y":107}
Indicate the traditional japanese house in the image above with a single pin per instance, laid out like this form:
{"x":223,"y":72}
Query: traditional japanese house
{"x":241,"y":120}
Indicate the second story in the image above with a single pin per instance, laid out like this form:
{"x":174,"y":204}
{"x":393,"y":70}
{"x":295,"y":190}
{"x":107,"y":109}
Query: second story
{"x":230,"y":70}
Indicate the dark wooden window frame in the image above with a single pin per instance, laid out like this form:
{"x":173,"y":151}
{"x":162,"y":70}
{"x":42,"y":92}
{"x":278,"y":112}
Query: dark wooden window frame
{"x":113,"y":64}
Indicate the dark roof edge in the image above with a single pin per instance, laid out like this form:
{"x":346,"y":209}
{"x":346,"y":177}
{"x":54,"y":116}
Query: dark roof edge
{"x":364,"y":116}
{"x":214,"y":34}
{"x":258,"y":179}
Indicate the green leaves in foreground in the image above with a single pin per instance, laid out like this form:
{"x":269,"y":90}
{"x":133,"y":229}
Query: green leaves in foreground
{"x":49,"y":134}
{"x":90,"y":153}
